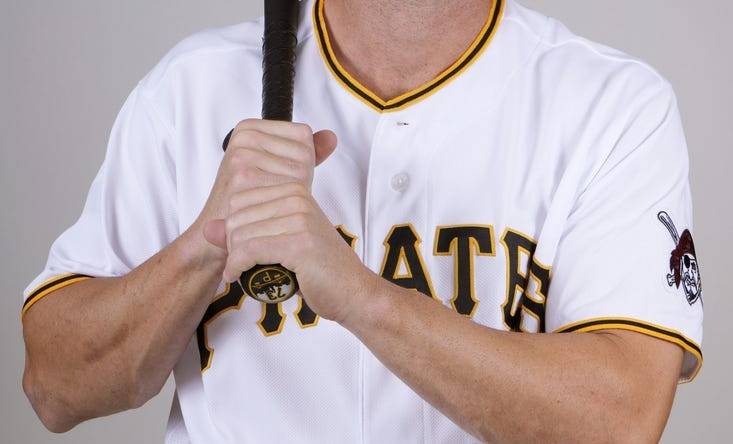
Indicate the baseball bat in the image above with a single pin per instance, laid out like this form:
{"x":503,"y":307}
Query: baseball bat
{"x":274,"y":283}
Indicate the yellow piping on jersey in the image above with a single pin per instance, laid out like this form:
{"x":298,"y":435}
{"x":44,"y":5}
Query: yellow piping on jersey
{"x":647,"y":328}
{"x":362,"y":93}
{"x":49,"y":286}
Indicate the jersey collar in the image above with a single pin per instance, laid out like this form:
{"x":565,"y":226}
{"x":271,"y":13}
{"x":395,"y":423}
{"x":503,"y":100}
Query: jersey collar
{"x":472,"y":53}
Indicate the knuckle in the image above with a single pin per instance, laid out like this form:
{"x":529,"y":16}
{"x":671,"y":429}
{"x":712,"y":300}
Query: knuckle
{"x":270,"y":180}
{"x":234,"y":202}
{"x":300,"y":189}
{"x":244,"y":124}
{"x":245,"y":138}
{"x":230,"y":226}
{"x":297,"y":204}
{"x":304,"y":131}
{"x":238,"y":158}
{"x":239,"y":179}
{"x":231,"y":159}
{"x":289,"y":188}
{"x":310,"y":156}
{"x":246,"y":177}
{"x":234,"y":267}
{"x":294,"y":165}
{"x":252,"y":157}
{"x":300,"y":220}
{"x":238,"y":238}
{"x":299,"y":170}
{"x":304,"y":154}
{"x":307,"y":158}
{"x":285,"y":204}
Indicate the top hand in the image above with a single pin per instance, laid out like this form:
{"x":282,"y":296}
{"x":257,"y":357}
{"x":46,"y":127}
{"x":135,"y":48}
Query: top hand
{"x":248,"y":163}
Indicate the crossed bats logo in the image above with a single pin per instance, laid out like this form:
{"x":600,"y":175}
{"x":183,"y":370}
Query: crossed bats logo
{"x":683,"y":266}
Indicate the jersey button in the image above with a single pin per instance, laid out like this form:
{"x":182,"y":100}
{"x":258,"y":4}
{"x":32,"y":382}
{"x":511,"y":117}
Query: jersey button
{"x":400,"y":182}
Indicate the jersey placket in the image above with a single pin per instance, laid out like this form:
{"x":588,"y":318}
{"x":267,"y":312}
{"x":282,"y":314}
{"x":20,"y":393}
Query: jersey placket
{"x":396,"y":199}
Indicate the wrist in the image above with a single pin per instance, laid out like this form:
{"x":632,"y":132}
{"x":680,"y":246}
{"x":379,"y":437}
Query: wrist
{"x":197,"y":252}
{"x":372,"y":306}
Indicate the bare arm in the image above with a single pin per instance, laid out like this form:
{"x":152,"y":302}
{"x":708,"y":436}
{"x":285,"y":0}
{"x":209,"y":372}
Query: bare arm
{"x":109,"y":344}
{"x":608,"y":386}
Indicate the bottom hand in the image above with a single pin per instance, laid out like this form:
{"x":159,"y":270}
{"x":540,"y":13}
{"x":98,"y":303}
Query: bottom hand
{"x":283,"y":224}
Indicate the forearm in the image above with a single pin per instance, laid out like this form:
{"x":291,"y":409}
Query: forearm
{"x":109,"y":344}
{"x":513,"y":387}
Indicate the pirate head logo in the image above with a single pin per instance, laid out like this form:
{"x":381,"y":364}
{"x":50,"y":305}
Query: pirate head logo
{"x":269,"y":284}
{"x":683,"y":265}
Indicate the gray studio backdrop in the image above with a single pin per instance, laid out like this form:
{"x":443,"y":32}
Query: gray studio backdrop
{"x":67,"y":66}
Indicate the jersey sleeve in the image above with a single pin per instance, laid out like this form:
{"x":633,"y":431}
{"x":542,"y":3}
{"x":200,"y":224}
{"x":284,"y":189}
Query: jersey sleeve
{"x":130,"y":210}
{"x":626,"y":258}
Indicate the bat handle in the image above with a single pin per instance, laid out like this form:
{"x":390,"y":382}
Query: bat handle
{"x":274,"y":283}
{"x":271,"y":283}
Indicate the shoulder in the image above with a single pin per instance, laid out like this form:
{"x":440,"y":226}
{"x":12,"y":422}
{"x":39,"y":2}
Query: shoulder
{"x":203,"y":70}
{"x":581,"y":66}
{"x":600,"y":103}
{"x":202,"y":61}
{"x":596,"y":98}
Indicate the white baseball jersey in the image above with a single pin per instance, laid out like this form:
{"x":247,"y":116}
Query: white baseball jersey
{"x":538,"y":184}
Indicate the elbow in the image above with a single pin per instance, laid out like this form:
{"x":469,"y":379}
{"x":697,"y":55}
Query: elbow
{"x":636,"y":431}
{"x":638,"y":436}
{"x":60,"y":413}
{"x":140,"y":395}
{"x":54,"y":416}
{"x":143,"y":386}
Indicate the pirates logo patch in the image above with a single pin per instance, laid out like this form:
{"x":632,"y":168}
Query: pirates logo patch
{"x":683,"y":265}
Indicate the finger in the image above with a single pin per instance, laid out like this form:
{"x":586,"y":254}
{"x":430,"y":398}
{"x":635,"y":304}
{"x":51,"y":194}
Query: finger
{"x":260,"y":251}
{"x":257,"y":179}
{"x":215,"y":233}
{"x":325,"y":143}
{"x":255,"y":196}
{"x":273,"y":144}
{"x":290,"y":224}
{"x":281,"y":207}
{"x":289,"y":130}
{"x":273,"y":164}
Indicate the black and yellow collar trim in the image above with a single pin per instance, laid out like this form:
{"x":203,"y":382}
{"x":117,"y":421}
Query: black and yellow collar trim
{"x":51,"y":285}
{"x":364,"y":94}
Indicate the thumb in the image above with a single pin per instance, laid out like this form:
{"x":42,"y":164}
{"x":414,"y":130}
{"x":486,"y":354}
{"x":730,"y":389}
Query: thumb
{"x":215,"y":233}
{"x":325,"y":143}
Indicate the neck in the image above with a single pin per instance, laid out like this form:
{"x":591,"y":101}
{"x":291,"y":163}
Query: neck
{"x":393,"y":46}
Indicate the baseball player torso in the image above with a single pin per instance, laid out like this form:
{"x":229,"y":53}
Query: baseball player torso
{"x":521,"y":188}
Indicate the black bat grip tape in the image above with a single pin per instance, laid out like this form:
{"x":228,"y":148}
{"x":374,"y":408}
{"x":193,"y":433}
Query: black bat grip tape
{"x":274,"y":283}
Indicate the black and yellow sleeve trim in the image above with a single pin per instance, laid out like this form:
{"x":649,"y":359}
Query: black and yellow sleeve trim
{"x":643,"y":327}
{"x":370,"y":98}
{"x":51,"y":285}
